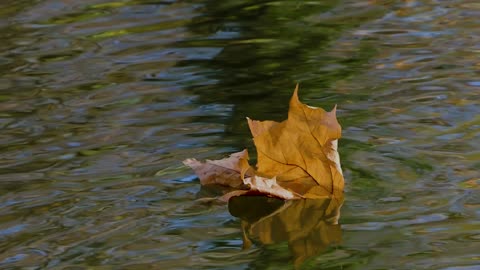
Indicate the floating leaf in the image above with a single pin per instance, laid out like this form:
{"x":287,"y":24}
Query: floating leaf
{"x":235,"y":172}
{"x":302,"y":150}
{"x":297,"y":158}
{"x":227,"y":172}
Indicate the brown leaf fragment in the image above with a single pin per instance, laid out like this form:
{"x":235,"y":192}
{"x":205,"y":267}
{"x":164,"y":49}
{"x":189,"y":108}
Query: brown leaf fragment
{"x":258,"y":185}
{"x":227,"y":172}
{"x":269,"y":186}
{"x":225,"y":198}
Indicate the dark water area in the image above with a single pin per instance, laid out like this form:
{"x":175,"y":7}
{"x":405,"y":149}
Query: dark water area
{"x":101,"y":101}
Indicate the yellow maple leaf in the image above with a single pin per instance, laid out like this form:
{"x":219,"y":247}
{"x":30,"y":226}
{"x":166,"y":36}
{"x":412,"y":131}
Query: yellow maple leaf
{"x":297,"y":158}
{"x":302,"y":150}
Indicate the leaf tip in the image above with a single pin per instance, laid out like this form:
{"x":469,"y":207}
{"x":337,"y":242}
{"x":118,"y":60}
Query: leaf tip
{"x":295,"y":99}
{"x":190,"y":162}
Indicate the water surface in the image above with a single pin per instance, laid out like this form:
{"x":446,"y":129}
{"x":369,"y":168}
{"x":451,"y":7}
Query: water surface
{"x":100,"y":101}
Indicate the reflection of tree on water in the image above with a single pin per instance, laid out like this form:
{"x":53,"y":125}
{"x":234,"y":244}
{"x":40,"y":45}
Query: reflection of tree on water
{"x":265,"y":48}
{"x":308,"y":226}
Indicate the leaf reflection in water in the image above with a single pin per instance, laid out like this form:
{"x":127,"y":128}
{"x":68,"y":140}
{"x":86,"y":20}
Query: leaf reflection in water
{"x":309,"y":226}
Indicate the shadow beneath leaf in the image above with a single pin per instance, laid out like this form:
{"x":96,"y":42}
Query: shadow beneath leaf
{"x":309,"y":226}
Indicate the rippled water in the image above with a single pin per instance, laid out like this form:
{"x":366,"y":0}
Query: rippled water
{"x":101,"y":101}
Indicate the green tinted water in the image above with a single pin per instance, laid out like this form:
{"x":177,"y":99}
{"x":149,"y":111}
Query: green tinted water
{"x":101,"y":101}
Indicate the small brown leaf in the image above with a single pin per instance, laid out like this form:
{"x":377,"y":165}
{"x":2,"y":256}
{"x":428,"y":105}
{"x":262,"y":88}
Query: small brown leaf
{"x":227,"y":172}
{"x":234,"y":171}
{"x":261,"y":185}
